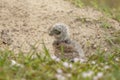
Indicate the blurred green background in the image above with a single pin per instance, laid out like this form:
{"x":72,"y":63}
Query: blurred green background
{"x":110,"y":7}
{"x":109,"y":3}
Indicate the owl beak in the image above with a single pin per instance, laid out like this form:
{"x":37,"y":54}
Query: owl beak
{"x":51,"y":33}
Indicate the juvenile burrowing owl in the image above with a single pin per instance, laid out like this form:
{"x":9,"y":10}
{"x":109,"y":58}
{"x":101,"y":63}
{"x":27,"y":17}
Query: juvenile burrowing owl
{"x":64,"y":46}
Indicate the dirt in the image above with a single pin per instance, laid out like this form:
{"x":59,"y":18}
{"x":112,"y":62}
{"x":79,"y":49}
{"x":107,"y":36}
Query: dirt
{"x":25,"y":24}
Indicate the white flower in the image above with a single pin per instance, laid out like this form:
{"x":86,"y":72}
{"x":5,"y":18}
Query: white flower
{"x":67,"y":65}
{"x":93,"y":62}
{"x":14,"y":63}
{"x":95,"y":78}
{"x":106,"y":67}
{"x":68,"y":75}
{"x":70,"y":65}
{"x":60,"y":77}
{"x":117,"y":59}
{"x":87,"y":74}
{"x":55,"y":58}
{"x":76,"y":59}
{"x":79,"y":60}
{"x":98,"y":76}
{"x":82,"y":60}
{"x":59,"y":71}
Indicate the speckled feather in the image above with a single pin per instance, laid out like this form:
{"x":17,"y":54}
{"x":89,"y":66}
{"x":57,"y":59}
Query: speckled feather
{"x":65,"y":47}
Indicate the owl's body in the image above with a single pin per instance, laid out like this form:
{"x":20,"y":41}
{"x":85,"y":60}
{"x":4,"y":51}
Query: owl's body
{"x":67,"y":49}
{"x":64,"y":47}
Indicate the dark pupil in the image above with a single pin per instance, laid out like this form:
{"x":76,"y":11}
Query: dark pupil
{"x":57,"y":32}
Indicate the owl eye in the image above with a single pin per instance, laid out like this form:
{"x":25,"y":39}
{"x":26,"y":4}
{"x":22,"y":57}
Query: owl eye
{"x":57,"y":32}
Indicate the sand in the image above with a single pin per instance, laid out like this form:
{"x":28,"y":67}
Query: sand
{"x":24,"y":25}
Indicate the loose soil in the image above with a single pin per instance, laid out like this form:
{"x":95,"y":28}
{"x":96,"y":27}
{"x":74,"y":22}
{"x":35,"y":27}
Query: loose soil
{"x":24,"y":25}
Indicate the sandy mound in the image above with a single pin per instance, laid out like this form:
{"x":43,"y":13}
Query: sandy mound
{"x":25,"y":23}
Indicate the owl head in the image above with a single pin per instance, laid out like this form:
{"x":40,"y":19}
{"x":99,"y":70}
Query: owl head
{"x":59,"y":31}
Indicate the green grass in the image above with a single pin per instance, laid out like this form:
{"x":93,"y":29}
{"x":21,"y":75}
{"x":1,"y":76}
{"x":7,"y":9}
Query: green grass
{"x":103,"y":7}
{"x":40,"y":66}
{"x":78,"y":3}
{"x":43,"y":67}
{"x":106,"y":25}
{"x":114,"y":40}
